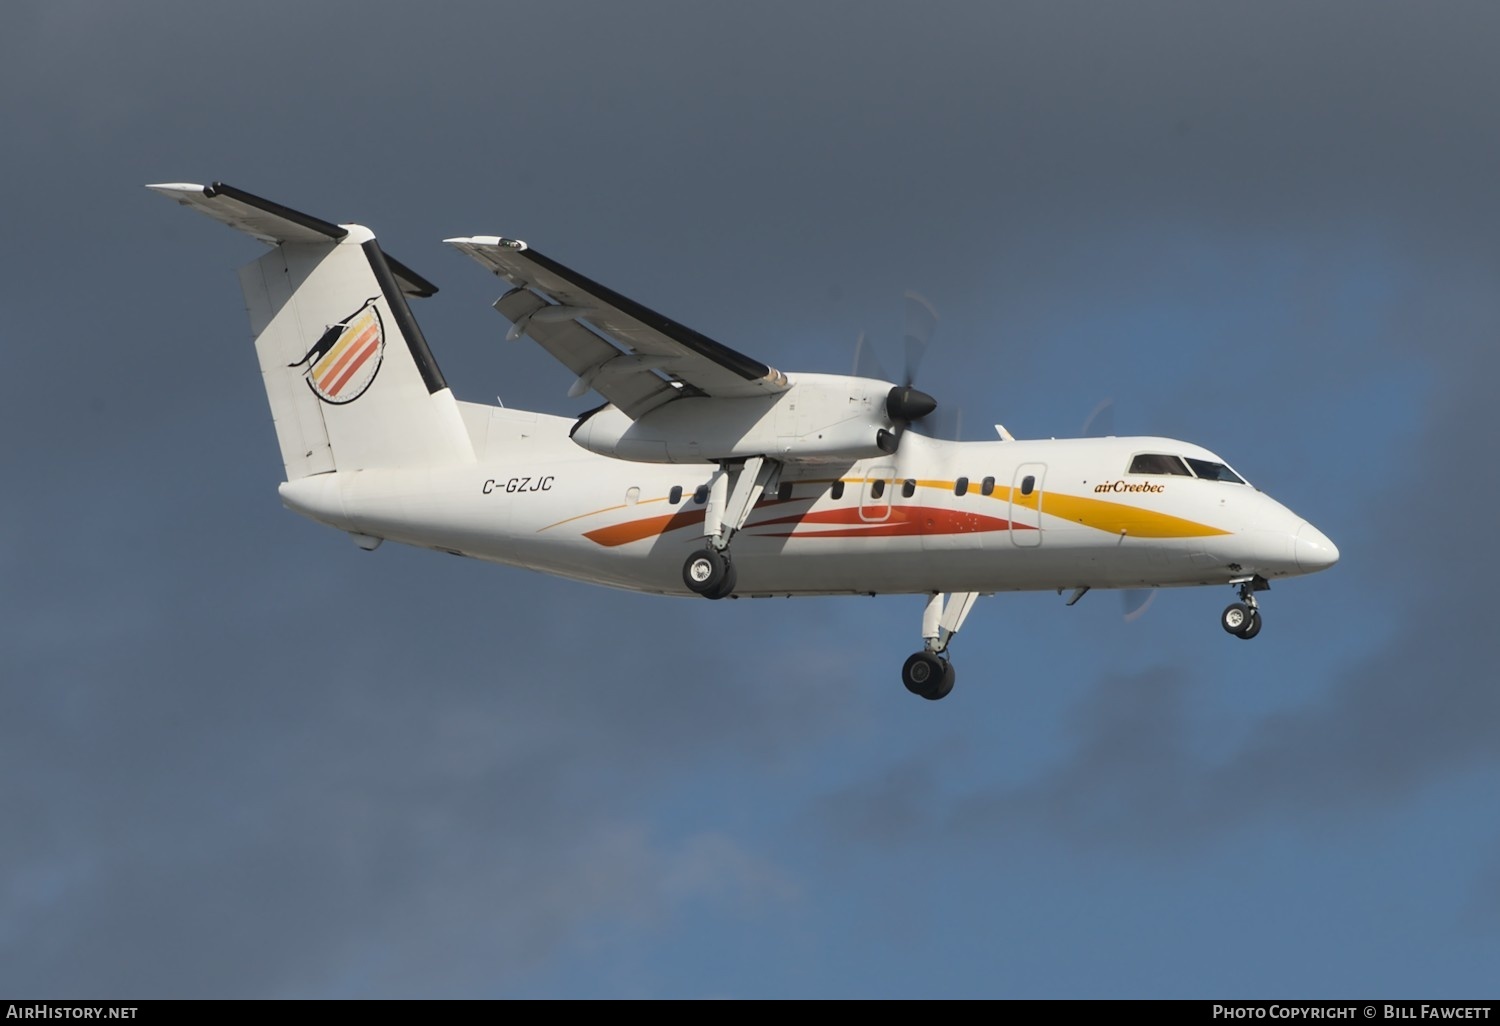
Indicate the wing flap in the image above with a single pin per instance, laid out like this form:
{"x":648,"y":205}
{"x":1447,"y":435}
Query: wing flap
{"x":616,"y":375}
{"x":654,"y":342}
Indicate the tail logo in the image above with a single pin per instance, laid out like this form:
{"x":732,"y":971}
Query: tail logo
{"x":342,"y":364}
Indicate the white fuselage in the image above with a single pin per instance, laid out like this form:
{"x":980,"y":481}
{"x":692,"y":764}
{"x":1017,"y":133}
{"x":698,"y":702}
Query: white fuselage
{"x":1035,"y":515}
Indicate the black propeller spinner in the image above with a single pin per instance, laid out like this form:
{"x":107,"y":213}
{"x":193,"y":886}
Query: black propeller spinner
{"x":903,"y":404}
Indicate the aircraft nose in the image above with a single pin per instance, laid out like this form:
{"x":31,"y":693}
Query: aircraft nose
{"x":1314,"y":550}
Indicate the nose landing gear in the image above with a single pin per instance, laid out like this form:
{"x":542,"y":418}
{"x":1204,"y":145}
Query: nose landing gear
{"x":1242,"y":618}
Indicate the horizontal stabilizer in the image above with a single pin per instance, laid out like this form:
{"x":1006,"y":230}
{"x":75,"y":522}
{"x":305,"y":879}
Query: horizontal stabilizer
{"x":275,"y":224}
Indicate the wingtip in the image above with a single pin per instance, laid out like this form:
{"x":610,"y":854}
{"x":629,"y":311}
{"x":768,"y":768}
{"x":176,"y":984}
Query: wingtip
{"x":487,"y":240}
{"x":175,"y":188}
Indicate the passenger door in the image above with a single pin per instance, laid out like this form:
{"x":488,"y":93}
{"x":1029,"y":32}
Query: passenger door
{"x":1026,"y":505}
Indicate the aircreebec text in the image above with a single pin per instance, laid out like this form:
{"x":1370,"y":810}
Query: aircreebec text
{"x":1129,"y":486}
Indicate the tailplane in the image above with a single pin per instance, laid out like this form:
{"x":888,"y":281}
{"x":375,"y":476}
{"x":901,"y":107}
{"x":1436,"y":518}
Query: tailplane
{"x":351,"y":382}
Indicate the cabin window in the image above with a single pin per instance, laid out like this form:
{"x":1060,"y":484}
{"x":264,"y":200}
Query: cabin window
{"x":675,"y":495}
{"x":837,"y":491}
{"x":1028,"y":484}
{"x":1211,"y":471}
{"x":1158,"y":463}
{"x":700,"y":494}
{"x":784,"y":493}
{"x":987,"y":486}
{"x":961,"y":486}
{"x":877,"y":488}
{"x":908,"y":488}
{"x":632,"y":495}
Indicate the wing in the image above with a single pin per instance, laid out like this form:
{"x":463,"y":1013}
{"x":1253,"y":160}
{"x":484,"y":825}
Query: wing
{"x":632,"y":355}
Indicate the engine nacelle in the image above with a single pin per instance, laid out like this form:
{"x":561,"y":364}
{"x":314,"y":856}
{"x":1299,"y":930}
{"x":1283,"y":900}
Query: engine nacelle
{"x":819,"y":417}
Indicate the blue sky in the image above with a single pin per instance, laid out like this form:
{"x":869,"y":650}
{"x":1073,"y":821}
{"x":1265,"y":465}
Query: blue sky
{"x":239,"y":757}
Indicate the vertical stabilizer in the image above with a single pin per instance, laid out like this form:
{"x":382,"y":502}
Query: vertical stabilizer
{"x":350,"y":380}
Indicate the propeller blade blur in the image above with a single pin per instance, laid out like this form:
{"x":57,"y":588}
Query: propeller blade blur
{"x":921,"y":322}
{"x":1101,"y":422}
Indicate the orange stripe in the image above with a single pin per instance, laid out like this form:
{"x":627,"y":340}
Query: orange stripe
{"x":348,"y":354}
{"x":763,"y":502}
{"x":647,"y":527}
{"x":359,"y":361}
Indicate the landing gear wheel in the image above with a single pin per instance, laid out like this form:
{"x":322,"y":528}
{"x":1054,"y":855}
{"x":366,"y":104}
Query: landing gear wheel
{"x":705,"y":571}
{"x":927,"y":676}
{"x":922,"y":673}
{"x":1252,"y":627}
{"x":726,"y":586}
{"x":1236,"y":618}
{"x":945,"y":686}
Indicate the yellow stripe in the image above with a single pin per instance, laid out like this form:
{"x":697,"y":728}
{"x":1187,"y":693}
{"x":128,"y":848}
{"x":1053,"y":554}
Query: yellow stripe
{"x":606,"y":509}
{"x":1114,"y":517}
{"x":1100,"y":514}
{"x":331,"y":357}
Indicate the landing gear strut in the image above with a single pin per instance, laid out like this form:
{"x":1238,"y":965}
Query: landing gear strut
{"x":1242,"y":618}
{"x":732,"y":494}
{"x":928,"y":673}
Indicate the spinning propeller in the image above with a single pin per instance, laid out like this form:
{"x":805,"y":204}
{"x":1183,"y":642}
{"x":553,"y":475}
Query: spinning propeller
{"x":904,"y":404}
{"x":1101,"y":424}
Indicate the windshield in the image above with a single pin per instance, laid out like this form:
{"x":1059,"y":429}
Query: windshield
{"x":1157,"y":463}
{"x":1211,"y":471}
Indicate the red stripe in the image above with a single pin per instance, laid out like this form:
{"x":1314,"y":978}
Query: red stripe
{"x":903,"y":520}
{"x":369,"y":350}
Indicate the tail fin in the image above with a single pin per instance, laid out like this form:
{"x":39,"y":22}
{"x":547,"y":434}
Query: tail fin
{"x":351,"y":382}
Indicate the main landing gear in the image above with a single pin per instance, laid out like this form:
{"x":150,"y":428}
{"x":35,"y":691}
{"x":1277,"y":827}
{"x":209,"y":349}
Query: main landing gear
{"x":732,"y":494}
{"x":928,"y":673}
{"x":1242,"y":618}
{"x":710,"y":573}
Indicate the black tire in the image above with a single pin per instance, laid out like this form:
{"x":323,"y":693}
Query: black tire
{"x":704,"y":571}
{"x":726,"y":586}
{"x":945,"y":685}
{"x":1236,"y":617}
{"x":923,"y":675}
{"x":1252,"y":627}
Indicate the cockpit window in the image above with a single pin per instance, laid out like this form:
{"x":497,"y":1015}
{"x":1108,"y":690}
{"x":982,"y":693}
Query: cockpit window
{"x":1158,"y":463}
{"x":1211,"y":471}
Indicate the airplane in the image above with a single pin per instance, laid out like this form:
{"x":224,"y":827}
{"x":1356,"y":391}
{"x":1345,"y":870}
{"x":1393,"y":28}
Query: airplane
{"x":706,"y":472}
